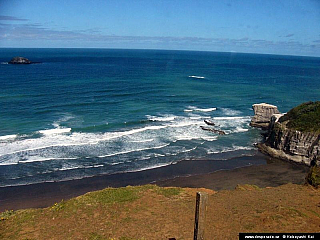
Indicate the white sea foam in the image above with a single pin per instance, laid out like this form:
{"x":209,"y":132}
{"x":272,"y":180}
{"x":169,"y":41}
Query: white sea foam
{"x":192,"y":108}
{"x":198,"y":77}
{"x":201,"y":117}
{"x":151,"y":167}
{"x":240,"y":129}
{"x":68,"y":168}
{"x":65,"y":144}
{"x":229,"y":118}
{"x":189,"y":150}
{"x":8,"y":163}
{"x":55,"y":131}
{"x":195,"y":118}
{"x":210,"y":139}
{"x":116,"y":163}
{"x":205,"y":109}
{"x":184,"y":124}
{"x":8,"y":137}
{"x":94,"y":166}
{"x":42,"y":159}
{"x":230,"y":112}
{"x":161,"y":119}
{"x":133,"y":150}
{"x":54,"y":138}
{"x":109,"y":136}
{"x":142,"y":141}
{"x":159,"y":155}
{"x":230,"y":149}
{"x":185,"y":138}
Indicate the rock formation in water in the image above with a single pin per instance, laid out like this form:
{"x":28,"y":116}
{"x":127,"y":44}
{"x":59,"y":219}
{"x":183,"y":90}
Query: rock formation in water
{"x":19,"y":60}
{"x":208,"y":122}
{"x":220,"y":132}
{"x":262,"y":115}
{"x":296,"y":135}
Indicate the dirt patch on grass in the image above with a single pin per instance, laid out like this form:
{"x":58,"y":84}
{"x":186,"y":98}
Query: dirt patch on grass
{"x":151,"y":212}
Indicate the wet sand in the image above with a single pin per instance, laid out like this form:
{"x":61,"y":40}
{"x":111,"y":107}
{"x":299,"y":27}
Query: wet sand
{"x":260,"y":170}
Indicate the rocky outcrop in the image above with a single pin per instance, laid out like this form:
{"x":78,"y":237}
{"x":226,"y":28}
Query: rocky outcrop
{"x":287,"y":143}
{"x":208,"y":122}
{"x":220,"y":132}
{"x":19,"y":60}
{"x":262,"y":115}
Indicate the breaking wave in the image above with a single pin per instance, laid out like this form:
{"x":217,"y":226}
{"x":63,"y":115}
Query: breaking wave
{"x":156,"y":141}
{"x":198,"y":77}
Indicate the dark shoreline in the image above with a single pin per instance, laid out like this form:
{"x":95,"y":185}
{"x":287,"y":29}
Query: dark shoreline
{"x":259,"y":169}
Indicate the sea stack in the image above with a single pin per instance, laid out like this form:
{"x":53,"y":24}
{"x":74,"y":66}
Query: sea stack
{"x":262,"y":115}
{"x":19,"y":60}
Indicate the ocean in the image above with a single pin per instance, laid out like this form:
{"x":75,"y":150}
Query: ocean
{"x":88,"y":112}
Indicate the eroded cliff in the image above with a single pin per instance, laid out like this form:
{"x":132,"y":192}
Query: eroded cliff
{"x":296,"y":135}
{"x":262,"y":115}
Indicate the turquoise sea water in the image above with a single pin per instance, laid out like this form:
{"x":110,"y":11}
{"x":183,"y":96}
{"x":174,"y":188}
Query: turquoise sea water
{"x":85,"y":112}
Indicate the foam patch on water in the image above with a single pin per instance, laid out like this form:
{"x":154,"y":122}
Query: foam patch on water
{"x":196,"y":109}
{"x":55,"y":131}
{"x":8,"y":137}
{"x":198,"y":77}
{"x":166,"y":118}
{"x":230,"y":112}
{"x":151,"y":167}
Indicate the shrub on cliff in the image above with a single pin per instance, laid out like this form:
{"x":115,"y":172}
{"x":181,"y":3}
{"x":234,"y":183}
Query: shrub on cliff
{"x":313,"y":177}
{"x":304,"y":118}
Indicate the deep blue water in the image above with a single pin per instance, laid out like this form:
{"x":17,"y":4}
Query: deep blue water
{"x":84,"y":112}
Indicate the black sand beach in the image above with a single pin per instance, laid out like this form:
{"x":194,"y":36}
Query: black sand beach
{"x":260,"y":170}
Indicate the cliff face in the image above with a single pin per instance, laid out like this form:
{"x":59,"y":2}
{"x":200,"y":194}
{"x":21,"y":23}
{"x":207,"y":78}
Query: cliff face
{"x":291,"y":144}
{"x":262,"y":115}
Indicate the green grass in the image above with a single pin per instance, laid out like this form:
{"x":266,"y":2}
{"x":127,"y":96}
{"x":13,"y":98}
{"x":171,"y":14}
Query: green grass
{"x":124,"y":194}
{"x":168,"y":192}
{"x":85,"y":206}
{"x":247,"y":187}
{"x":304,"y":118}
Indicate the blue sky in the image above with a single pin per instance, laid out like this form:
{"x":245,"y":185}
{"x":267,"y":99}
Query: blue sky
{"x":290,"y":27}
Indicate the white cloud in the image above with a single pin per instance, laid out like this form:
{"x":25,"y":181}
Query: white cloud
{"x":35,"y":33}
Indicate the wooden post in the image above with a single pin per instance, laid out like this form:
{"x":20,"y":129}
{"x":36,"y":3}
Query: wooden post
{"x":199,"y":222}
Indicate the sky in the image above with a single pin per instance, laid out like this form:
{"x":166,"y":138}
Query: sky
{"x":288,"y":27}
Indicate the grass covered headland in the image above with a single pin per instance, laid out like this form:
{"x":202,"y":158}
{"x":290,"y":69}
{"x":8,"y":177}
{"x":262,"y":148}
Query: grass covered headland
{"x":304,"y":118}
{"x":151,"y":212}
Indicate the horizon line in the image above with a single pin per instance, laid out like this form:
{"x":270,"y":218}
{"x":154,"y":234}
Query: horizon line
{"x":155,"y":49}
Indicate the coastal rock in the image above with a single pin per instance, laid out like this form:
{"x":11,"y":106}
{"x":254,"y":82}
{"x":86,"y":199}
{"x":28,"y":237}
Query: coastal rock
{"x":208,"y":122}
{"x":19,"y":60}
{"x":262,"y":115}
{"x":288,"y":143}
{"x":220,"y":132}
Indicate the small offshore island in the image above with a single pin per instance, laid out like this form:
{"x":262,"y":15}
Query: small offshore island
{"x":21,"y":60}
